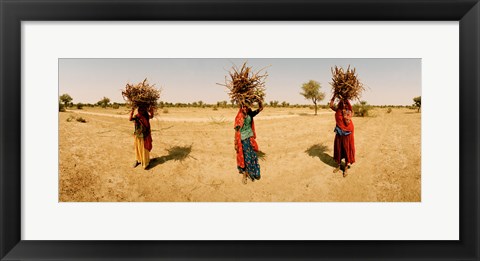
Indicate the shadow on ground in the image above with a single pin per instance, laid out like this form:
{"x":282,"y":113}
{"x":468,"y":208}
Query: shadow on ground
{"x":318,"y":150}
{"x":177,"y":153}
{"x":261,"y":155}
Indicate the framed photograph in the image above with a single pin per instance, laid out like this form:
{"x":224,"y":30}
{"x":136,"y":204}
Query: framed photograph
{"x":239,"y":130}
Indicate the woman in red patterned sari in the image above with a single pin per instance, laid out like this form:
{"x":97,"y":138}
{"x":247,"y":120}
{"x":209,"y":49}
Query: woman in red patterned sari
{"x":245,"y":144}
{"x":344,"y":144}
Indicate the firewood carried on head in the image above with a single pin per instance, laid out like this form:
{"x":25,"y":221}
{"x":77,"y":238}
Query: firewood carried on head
{"x":245,"y":86}
{"x":345,"y":84}
{"x":142,"y":94}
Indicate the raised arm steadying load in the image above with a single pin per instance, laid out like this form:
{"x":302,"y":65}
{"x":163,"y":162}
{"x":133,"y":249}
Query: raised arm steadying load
{"x":332,"y":103}
{"x":131,"y":114}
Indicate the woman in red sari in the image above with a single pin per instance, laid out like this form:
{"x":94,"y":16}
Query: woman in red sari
{"x":344,"y":144}
{"x":142,"y":136}
{"x":245,"y":144}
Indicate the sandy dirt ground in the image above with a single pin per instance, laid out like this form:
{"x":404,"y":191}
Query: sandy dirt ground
{"x":193,"y":157}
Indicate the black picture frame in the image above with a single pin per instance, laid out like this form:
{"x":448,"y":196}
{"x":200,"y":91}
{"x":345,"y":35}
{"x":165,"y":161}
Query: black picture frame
{"x":12,"y":13}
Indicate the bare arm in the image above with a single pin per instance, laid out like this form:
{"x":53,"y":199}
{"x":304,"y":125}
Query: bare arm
{"x":131,"y":114}
{"x":332,"y":103}
{"x":257,"y":111}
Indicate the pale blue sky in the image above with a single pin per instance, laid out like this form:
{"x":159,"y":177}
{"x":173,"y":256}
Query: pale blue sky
{"x":387,"y":81}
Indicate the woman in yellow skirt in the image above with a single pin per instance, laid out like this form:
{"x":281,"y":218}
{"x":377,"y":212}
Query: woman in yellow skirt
{"x":142,"y":136}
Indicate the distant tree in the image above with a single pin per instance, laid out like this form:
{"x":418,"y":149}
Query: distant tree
{"x":104,"y":102}
{"x":311,"y":91}
{"x":222,"y":104}
{"x":66,"y":99}
{"x":274,"y":104}
{"x":285,"y":104}
{"x":200,"y":104}
{"x":417,"y":102}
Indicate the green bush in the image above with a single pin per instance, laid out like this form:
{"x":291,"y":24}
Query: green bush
{"x":79,"y":106}
{"x":361,"y":109}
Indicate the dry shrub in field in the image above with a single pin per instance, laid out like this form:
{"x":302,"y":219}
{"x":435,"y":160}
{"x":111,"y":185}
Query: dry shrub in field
{"x":245,"y":86}
{"x":142,"y":94}
{"x":361,"y":109}
{"x":345,"y":84}
{"x":79,"y":119}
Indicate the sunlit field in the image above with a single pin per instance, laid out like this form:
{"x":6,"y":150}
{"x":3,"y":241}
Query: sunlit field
{"x":193,"y":157}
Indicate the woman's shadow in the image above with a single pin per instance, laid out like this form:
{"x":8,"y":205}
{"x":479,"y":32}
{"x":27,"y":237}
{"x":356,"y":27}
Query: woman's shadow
{"x":318,"y":150}
{"x":179,"y":153}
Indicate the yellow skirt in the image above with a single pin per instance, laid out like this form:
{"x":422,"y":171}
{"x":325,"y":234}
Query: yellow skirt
{"x":142,"y":155}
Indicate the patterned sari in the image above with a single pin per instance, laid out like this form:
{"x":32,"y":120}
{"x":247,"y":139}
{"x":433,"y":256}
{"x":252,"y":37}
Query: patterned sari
{"x":247,"y":159}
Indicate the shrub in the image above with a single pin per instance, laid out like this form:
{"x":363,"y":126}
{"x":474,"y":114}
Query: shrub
{"x":361,"y":109}
{"x":165,"y":110}
{"x":115,"y":106}
{"x":79,"y":119}
{"x":79,"y":106}
{"x":389,"y":110}
{"x":215,"y":108}
{"x":61,"y":107}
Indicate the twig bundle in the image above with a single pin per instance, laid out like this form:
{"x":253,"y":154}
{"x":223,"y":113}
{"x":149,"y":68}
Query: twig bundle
{"x":345,"y":84}
{"x":142,"y":94}
{"x":245,"y":86}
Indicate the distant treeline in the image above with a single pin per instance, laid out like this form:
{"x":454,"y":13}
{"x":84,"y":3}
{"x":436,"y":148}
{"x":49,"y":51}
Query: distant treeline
{"x":274,"y":104}
{"x":66,"y":101}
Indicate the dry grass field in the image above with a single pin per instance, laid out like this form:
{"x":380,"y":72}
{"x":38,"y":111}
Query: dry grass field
{"x":193,"y":157}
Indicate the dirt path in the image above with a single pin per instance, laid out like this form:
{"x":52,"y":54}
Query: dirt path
{"x":189,"y":119}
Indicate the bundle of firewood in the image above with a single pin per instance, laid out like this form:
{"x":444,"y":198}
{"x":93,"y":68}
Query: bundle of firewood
{"x":141,"y":94}
{"x":245,"y":86}
{"x":345,"y":84}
